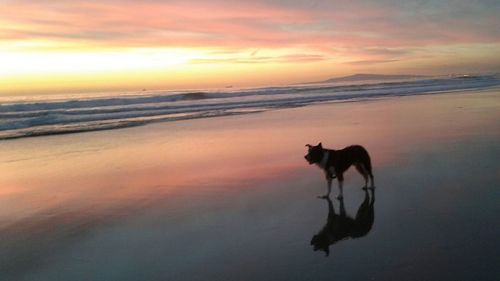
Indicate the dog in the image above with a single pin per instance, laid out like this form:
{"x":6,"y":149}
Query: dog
{"x":335,"y":162}
{"x":341,"y":226}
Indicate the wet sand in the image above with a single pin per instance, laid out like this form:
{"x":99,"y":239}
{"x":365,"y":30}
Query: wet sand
{"x":232,"y":198}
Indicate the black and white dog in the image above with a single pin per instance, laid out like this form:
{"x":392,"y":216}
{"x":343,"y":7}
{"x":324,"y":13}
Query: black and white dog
{"x":335,"y":162}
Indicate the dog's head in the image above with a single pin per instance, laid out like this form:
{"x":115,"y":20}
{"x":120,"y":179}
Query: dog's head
{"x":320,"y":242}
{"x":314,"y":153}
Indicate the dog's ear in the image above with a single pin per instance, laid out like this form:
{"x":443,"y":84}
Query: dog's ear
{"x":320,"y":145}
{"x":308,"y":145}
{"x":313,"y":240}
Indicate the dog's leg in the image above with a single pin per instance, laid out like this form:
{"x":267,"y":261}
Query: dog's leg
{"x":329,"y":187}
{"x":362,"y":170}
{"x":342,"y":208}
{"x":329,"y":183}
{"x":340,"y":178}
{"x":368,"y":168}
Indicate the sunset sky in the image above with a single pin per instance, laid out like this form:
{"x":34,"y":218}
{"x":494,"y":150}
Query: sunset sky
{"x":84,"y":46}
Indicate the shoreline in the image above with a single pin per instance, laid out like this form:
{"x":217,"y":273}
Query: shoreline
{"x":105,"y":127}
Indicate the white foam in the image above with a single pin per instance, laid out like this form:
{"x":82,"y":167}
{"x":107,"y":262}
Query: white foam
{"x":28,"y":118}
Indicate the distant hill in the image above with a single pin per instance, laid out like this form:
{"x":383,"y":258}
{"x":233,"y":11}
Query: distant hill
{"x":367,"y":77}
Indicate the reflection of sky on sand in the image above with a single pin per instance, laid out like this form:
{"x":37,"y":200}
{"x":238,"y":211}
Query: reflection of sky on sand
{"x":115,"y":167}
{"x":182,"y":196}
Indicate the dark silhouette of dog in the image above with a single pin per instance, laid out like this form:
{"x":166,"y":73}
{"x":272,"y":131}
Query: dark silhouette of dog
{"x":340,"y":226}
{"x":334,"y":163}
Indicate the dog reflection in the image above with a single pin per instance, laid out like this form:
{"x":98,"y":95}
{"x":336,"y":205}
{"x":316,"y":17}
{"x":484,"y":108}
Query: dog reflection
{"x":340,"y":226}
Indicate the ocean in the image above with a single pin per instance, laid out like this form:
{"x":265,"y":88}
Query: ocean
{"x":37,"y":116}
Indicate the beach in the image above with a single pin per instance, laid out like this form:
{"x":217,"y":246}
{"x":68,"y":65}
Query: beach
{"x":232,"y":198}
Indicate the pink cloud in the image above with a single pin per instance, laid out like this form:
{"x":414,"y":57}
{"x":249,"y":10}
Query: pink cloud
{"x":350,"y":28}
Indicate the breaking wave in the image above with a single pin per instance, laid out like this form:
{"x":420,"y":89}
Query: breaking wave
{"x":24,"y":118}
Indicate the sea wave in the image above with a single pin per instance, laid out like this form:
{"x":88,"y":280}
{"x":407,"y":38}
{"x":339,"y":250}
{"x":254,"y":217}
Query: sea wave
{"x":26,"y":118}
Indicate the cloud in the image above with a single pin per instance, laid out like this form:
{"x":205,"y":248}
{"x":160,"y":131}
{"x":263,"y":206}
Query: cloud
{"x":290,"y":58}
{"x":251,"y":24}
{"x":354,"y":32}
{"x":368,"y":62}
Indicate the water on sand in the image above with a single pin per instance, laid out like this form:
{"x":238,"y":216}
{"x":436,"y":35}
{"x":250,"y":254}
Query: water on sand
{"x":232,"y":198}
